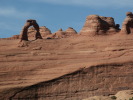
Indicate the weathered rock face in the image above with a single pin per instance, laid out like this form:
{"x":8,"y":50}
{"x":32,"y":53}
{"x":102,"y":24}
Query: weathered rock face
{"x":125,"y":95}
{"x":44,"y":31}
{"x":84,"y":83}
{"x":98,"y":25}
{"x":99,"y":98}
{"x":59,"y":34}
{"x":70,"y":31}
{"x":127,"y":25}
{"x":121,"y":95}
{"x":24,"y":32}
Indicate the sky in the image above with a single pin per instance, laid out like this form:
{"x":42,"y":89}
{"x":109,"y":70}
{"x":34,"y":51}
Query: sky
{"x":56,"y":14}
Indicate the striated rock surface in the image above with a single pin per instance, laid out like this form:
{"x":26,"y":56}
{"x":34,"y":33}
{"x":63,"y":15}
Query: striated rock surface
{"x":59,"y":34}
{"x":99,"y":98}
{"x":70,"y":31}
{"x":127,"y":25}
{"x":125,"y":95}
{"x":66,"y":69}
{"x":44,"y":31}
{"x":96,"y":80}
{"x":70,"y":68}
{"x":62,"y":34}
{"x":98,"y":25}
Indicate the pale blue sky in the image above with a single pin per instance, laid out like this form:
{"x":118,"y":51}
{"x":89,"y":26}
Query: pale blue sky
{"x":56,"y":14}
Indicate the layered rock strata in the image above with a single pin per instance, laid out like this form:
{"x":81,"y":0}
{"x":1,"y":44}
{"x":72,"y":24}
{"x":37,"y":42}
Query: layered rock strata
{"x":99,"y":25}
{"x":127,"y":25}
{"x":44,"y":31}
{"x":59,"y":34}
{"x":70,"y":31}
{"x":95,"y":80}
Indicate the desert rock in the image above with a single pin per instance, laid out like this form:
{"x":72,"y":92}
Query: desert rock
{"x":99,"y":98}
{"x":68,"y":68}
{"x":59,"y":34}
{"x":127,"y":25}
{"x":98,"y":25}
{"x":124,"y":95}
{"x":70,"y":31}
{"x":44,"y":31}
{"x":24,"y":32}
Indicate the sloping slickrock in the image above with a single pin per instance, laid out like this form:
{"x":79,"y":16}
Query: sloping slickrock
{"x":44,"y":31}
{"x":99,"y":98}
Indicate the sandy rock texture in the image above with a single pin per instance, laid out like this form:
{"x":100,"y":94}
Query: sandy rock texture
{"x":99,"y":25}
{"x":72,"y":68}
{"x":127,"y":25}
{"x":69,"y":66}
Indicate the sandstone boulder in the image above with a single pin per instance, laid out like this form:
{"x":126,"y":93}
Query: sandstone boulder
{"x":98,"y":25}
{"x":127,"y":25}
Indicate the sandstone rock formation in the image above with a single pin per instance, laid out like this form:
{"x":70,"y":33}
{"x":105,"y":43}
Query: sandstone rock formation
{"x":127,"y":25}
{"x":62,"y":34}
{"x":95,"y":80}
{"x":66,"y":69}
{"x":120,"y":95}
{"x":70,"y":31}
{"x":24,"y":32}
{"x":44,"y":31}
{"x":70,"y":68}
{"x":98,"y":25}
{"x":99,"y":98}
{"x":59,"y":34}
{"x":125,"y":95}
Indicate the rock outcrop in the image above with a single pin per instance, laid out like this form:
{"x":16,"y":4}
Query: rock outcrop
{"x":70,"y":31}
{"x":44,"y":31}
{"x":62,"y":34}
{"x":24,"y":32}
{"x":98,"y":25}
{"x":70,"y":68}
{"x":93,"y":81}
{"x":59,"y":34}
{"x":127,"y":25}
{"x":125,"y":95}
{"x":99,"y":98}
{"x":121,"y":95}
